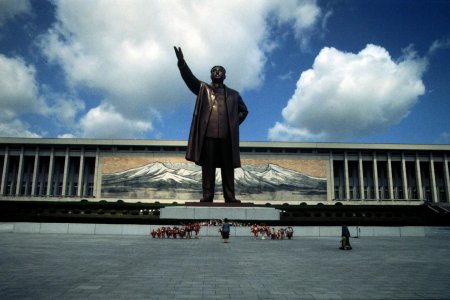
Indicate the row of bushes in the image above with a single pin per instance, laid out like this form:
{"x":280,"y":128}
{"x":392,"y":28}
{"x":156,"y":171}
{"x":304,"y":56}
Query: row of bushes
{"x":76,"y":211}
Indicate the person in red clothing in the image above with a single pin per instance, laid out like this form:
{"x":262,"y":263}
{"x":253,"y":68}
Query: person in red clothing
{"x":197,"y":229}
{"x":289,"y":232}
{"x":169,"y":232}
{"x":188,"y":230}
{"x":255,"y":230}
{"x":281,"y":233}
{"x":182,"y":232}
{"x":274,"y":234}
{"x":176,"y":232}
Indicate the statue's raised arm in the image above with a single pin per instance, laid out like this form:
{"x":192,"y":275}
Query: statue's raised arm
{"x":191,"y":81}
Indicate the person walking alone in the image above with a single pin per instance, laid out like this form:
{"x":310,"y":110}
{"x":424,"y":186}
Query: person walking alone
{"x":225,"y":230}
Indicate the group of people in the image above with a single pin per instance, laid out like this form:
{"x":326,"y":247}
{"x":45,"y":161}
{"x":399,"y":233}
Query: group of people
{"x":192,"y":230}
{"x":267,"y":233}
{"x":184,"y":231}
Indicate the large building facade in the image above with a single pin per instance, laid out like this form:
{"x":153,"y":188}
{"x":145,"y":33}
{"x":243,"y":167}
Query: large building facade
{"x":150,"y":171}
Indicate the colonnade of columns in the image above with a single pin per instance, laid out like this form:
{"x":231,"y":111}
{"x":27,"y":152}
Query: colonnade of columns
{"x":61,"y":172}
{"x":72,"y":171}
{"x":420,"y":176}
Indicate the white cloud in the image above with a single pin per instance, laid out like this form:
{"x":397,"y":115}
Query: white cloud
{"x":12,"y":8}
{"x":444,"y":138}
{"x":18,"y":87}
{"x":67,"y":136}
{"x":14,"y":128}
{"x":126,"y":51}
{"x":303,"y":17}
{"x":105,"y":122}
{"x":66,"y":109}
{"x":438,"y":45}
{"x":286,"y":76}
{"x":348,"y":95}
{"x":18,"y":96}
{"x":21,"y":97}
{"x":288,"y":133}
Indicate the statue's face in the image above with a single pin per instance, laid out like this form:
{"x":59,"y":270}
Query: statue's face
{"x":218,"y":74}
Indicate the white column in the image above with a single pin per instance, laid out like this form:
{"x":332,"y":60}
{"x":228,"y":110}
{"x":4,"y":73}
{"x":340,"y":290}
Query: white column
{"x":347,"y":180}
{"x":331,"y":181}
{"x":404,"y":178}
{"x":42,"y":180}
{"x":375,"y":176}
{"x":434,"y":195}
{"x":35,"y":172}
{"x":80,"y":173}
{"x":96,"y":189}
{"x":50,"y":172}
{"x":419,"y":179}
{"x":5,"y":172}
{"x":12,"y":191}
{"x":66,"y":170}
{"x":19,"y":173}
{"x":361,"y":176}
{"x":86,"y":179}
{"x":447,"y":179}
{"x":390,"y":181}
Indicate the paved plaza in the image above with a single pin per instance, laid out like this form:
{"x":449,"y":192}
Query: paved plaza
{"x":65,"y":266}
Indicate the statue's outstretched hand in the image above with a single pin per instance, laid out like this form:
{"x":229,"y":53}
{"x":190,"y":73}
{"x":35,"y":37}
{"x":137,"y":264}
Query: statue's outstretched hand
{"x":179,"y":54}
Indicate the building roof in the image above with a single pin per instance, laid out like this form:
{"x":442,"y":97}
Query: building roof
{"x":179,"y":143}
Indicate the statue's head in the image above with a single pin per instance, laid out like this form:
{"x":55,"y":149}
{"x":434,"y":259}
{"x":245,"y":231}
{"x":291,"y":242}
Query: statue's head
{"x":218,"y":74}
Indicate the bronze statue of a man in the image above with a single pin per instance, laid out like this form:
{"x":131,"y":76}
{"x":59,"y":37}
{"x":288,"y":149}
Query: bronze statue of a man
{"x":214,"y":135}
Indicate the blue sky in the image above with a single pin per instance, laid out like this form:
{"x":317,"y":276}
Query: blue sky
{"x":365,"y":71}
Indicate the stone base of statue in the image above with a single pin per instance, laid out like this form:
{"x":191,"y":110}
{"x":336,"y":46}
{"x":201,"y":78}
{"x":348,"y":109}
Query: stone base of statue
{"x":212,"y":211}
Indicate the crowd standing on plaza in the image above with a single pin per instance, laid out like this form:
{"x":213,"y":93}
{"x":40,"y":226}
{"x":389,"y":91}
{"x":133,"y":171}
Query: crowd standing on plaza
{"x":183,"y":231}
{"x":192,"y":230}
{"x":271,"y":233}
{"x":262,"y":231}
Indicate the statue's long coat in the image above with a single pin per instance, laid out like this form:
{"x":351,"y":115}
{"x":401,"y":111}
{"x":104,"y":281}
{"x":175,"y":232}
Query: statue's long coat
{"x":237,"y":112}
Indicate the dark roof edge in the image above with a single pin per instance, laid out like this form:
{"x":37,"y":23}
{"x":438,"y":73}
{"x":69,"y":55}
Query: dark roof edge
{"x":178,"y":143}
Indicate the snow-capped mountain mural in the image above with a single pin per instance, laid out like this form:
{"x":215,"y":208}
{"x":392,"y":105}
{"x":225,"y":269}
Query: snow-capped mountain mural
{"x":183,"y":181}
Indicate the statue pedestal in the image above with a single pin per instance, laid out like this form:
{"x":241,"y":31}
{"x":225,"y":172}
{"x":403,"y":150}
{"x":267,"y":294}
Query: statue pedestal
{"x":213,"y":211}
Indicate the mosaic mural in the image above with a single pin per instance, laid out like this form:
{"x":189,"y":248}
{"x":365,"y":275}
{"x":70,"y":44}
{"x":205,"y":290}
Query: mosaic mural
{"x":182,"y":180}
